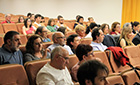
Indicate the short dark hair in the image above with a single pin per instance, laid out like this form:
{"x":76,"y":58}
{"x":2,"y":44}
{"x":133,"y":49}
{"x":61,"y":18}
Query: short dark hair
{"x":50,"y":20}
{"x":42,"y":17}
{"x":29,"y":46}
{"x":39,"y":29}
{"x":71,"y":39}
{"x":9,"y":35}
{"x":80,"y":18}
{"x":37,"y":15}
{"x":29,"y":14}
{"x":25,"y":23}
{"x":59,"y":17}
{"x":62,"y":29}
{"x":95,"y":32}
{"x":92,"y":25}
{"x":89,"y":69}
{"x":135,"y":23}
{"x":82,"y":49}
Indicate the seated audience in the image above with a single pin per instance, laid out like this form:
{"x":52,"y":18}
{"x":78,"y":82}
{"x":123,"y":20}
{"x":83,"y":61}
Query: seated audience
{"x":135,"y":27}
{"x":98,"y":37}
{"x":61,"y":23}
{"x":27,"y":28}
{"x":90,"y":20}
{"x":80,"y":30}
{"x":34,"y":49}
{"x":136,"y":39}
{"x":105,"y":28}
{"x":42,"y":31}
{"x":84,"y":53}
{"x":9,"y":52}
{"x":59,"y":40}
{"x":29,"y":15}
{"x":89,"y":30}
{"x":62,"y":29}
{"x":55,"y":72}
{"x":115,"y":28}
{"x":79,"y":21}
{"x":37,"y":22}
{"x":126,"y":35}
{"x":42,"y":19}
{"x":51,"y":25}
{"x":93,"y":72}
{"x":7,"y":19}
{"x":73,"y":41}
{"x":21,"y":19}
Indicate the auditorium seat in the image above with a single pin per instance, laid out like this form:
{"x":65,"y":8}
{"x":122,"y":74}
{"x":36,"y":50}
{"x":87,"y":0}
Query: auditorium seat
{"x":47,"y":44}
{"x":22,"y":49}
{"x":23,"y":39}
{"x":70,"y":25}
{"x":33,"y":67}
{"x":68,"y":33}
{"x":13,"y":74}
{"x":86,"y":41}
{"x":1,"y":41}
{"x":19,"y":27}
{"x":49,"y":35}
{"x":9,"y":27}
{"x":1,"y":29}
{"x":117,"y":79}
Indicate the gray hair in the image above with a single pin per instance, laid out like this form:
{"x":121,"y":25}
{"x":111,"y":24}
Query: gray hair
{"x":57,"y":50}
{"x":126,"y":25}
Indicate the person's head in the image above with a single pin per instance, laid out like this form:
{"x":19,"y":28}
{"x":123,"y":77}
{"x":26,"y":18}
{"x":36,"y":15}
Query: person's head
{"x":115,"y":27}
{"x":77,"y":17}
{"x":80,"y":30}
{"x":59,"y":57}
{"x":42,"y":31}
{"x":12,"y":40}
{"x":126,"y":31}
{"x":32,"y":17}
{"x":92,"y":26}
{"x":34,"y":44}
{"x":51,"y":22}
{"x":90,"y":19}
{"x":135,"y":25}
{"x":59,"y":38}
{"x":8,"y":17}
{"x":42,"y":19}
{"x":73,"y":41}
{"x":60,"y":19}
{"x":62,"y":29}
{"x":38,"y":18}
{"x":93,"y":72}
{"x":27,"y":22}
{"x":97,"y":35}
{"x":21,"y":19}
{"x":29,"y":15}
{"x":105,"y":28}
{"x":84,"y":52}
{"x":80,"y":20}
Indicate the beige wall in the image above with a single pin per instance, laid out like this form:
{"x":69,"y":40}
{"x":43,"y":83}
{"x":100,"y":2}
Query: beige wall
{"x":103,"y":11}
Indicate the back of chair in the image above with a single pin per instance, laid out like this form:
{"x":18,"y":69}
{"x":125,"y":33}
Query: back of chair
{"x":49,"y":35}
{"x":19,"y":27}
{"x":67,"y":34}
{"x":86,"y":41}
{"x":1,"y":41}
{"x":1,"y":29}
{"x":23,"y":39}
{"x":13,"y":74}
{"x":9,"y":27}
{"x":32,"y":69}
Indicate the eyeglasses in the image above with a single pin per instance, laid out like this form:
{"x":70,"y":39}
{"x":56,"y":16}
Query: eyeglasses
{"x":60,"y":37}
{"x":92,"y":53}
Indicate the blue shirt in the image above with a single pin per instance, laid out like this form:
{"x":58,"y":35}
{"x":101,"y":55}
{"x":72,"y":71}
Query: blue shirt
{"x":46,"y":40}
{"x":7,"y":57}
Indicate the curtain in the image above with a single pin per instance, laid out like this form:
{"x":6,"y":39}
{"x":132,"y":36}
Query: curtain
{"x":130,"y":11}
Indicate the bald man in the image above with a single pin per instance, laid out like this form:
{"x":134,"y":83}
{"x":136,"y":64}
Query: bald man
{"x":55,"y":72}
{"x":7,"y":19}
{"x":59,"y":40}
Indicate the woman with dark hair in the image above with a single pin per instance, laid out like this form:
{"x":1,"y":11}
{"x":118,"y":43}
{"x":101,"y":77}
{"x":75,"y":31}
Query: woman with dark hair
{"x":27,"y":28}
{"x":115,"y":28}
{"x":135,"y":27}
{"x":105,"y":28}
{"x":79,"y":21}
{"x":51,"y":25}
{"x":34,"y":49}
{"x":21,"y":19}
{"x":62,"y":29}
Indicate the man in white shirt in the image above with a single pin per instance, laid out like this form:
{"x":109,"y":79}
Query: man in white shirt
{"x":59,"y":40}
{"x":98,"y":37}
{"x":55,"y":72}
